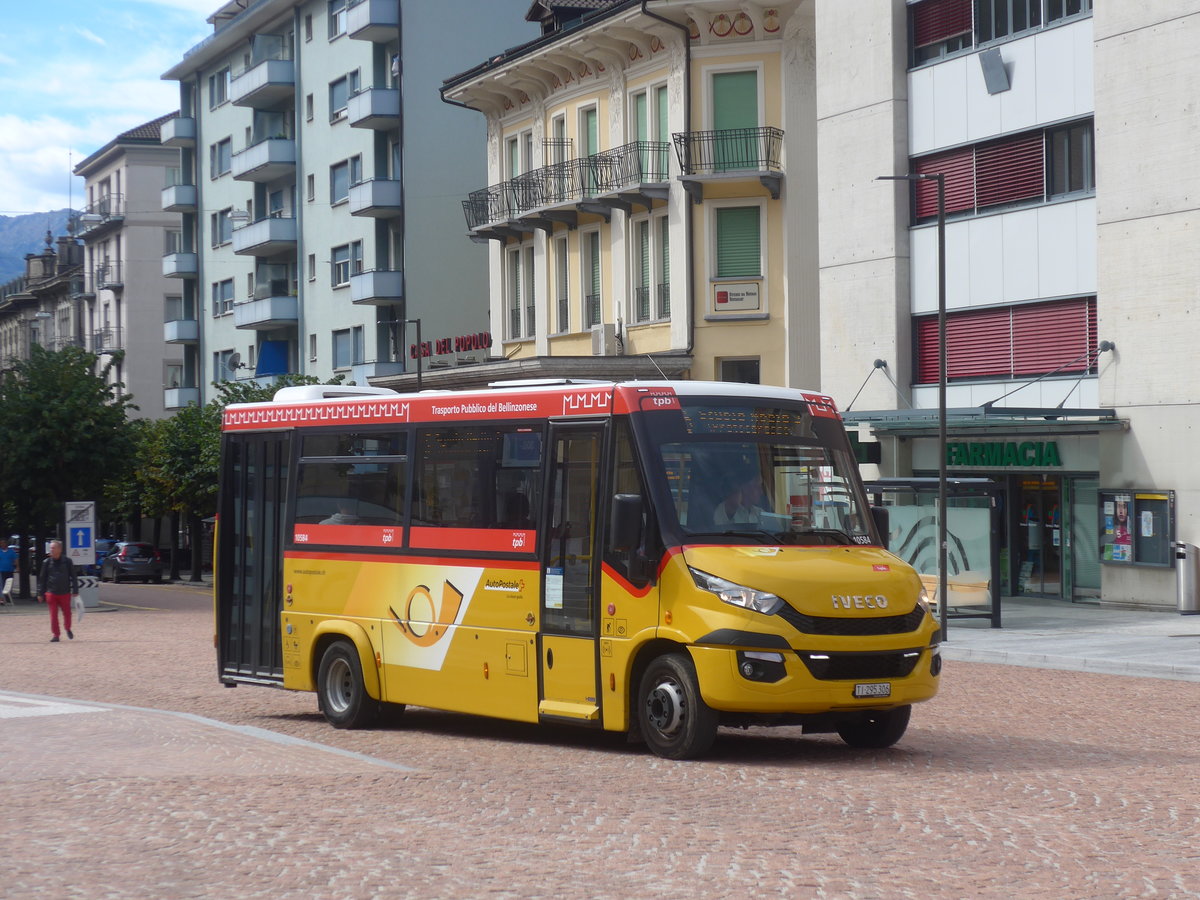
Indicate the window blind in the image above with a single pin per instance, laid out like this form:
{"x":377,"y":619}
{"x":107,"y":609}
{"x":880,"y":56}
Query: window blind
{"x":738,"y":242}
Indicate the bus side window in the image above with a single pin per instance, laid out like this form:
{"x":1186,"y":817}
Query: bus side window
{"x":629,"y":548}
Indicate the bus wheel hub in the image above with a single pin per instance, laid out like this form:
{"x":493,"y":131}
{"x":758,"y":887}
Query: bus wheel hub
{"x":664,"y":707}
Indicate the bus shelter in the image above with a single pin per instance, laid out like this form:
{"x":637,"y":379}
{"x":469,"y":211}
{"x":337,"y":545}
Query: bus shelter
{"x":973,"y":526}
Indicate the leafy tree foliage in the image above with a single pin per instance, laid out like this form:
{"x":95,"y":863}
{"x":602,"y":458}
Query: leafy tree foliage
{"x":65,"y":431}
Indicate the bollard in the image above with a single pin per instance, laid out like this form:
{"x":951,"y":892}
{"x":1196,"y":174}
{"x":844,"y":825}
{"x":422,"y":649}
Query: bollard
{"x":1187,"y":578}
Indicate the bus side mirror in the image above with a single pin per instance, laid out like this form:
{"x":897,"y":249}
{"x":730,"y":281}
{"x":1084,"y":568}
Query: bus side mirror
{"x":625,"y":523}
{"x":882,"y":523}
{"x":626,"y":536}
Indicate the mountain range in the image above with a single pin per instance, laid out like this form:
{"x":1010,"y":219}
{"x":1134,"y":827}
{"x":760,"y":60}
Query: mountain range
{"x":26,"y":234}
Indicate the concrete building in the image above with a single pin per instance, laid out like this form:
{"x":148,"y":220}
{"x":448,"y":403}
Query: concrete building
{"x":317,"y":160}
{"x":125,"y":231}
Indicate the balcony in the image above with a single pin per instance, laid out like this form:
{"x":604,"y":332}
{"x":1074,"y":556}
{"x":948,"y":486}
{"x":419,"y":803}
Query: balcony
{"x":266,"y":312}
{"x":179,"y":198}
{"x":378,"y":198}
{"x":107,"y":277}
{"x":101,"y":217}
{"x":266,"y":237}
{"x":377,"y":108}
{"x":180,"y":265}
{"x":179,"y":132}
{"x":181,"y":397}
{"x":635,"y":174}
{"x":362,"y":373}
{"x":181,"y":331}
{"x":265,"y":161}
{"x":107,"y":340}
{"x":269,"y":84}
{"x":373,"y":20}
{"x":734,"y":154}
{"x":377,"y":287}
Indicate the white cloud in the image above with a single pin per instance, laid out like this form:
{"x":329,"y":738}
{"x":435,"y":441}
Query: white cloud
{"x":90,"y":36}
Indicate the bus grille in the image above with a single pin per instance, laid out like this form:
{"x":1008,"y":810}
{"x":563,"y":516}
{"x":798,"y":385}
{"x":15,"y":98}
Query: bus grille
{"x":853,"y":627}
{"x":860,"y":666}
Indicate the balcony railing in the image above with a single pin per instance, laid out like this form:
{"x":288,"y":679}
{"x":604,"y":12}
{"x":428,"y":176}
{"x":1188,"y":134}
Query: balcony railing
{"x":108,"y":276}
{"x":179,"y":198}
{"x":377,"y":287}
{"x":266,"y":84}
{"x":729,"y":151}
{"x":182,"y":264}
{"x":642,"y":302}
{"x":373,"y":20}
{"x":179,"y":132}
{"x":266,"y":237}
{"x":106,"y":340}
{"x":265,"y":160}
{"x":592,"y":308}
{"x":514,"y":323}
{"x":564,"y":315}
{"x":624,"y":168}
{"x":374,"y":108}
{"x":100,"y":214}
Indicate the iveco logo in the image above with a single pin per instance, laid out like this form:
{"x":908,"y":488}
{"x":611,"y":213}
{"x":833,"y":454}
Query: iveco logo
{"x":859,"y":601}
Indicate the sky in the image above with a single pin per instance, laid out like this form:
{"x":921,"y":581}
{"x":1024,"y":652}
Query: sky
{"x":76,"y":73}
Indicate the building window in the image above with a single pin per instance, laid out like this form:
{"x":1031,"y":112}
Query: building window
{"x":172,"y":241}
{"x":310,"y":187}
{"x":651,"y":124}
{"x":513,"y":262}
{"x":312,"y":348}
{"x":1021,"y":168}
{"x":1063,"y":9}
{"x":221,"y":226}
{"x":348,"y":347}
{"x":591,"y":277}
{"x":530,"y":298}
{"x":347,"y":261}
{"x":308,"y":29}
{"x":337,"y":18}
{"x":562,"y":285}
{"x":218,"y":88}
{"x":343,"y":176}
{"x":939,"y":28}
{"x":222,"y":365}
{"x":651,"y":269}
{"x":1010,"y":342}
{"x":738,"y":242}
{"x":1070,"y":159}
{"x":222,"y":297}
{"x":312,"y":267}
{"x":995,"y":19}
{"x":743,"y":371}
{"x":220,"y":157}
{"x":308,"y":107}
{"x":663,"y":286}
{"x":340,"y":92}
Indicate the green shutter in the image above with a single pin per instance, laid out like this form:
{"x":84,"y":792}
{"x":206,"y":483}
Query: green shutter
{"x":664,"y":247}
{"x":735,"y":110}
{"x":644,"y":254}
{"x":594,"y":262}
{"x":640,"y":117}
{"x":664,"y":129}
{"x":738,"y":242}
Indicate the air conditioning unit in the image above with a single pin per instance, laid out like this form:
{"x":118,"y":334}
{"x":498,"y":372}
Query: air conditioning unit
{"x":604,"y":340}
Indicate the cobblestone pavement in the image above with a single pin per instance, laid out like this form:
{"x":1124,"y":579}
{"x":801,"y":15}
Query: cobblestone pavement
{"x":1014,"y":782}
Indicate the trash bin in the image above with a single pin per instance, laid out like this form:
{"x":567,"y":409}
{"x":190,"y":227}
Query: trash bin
{"x":1187,"y":578}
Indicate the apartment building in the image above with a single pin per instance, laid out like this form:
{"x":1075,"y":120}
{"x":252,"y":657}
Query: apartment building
{"x":40,"y":307}
{"x":315,"y":157}
{"x":125,"y":231}
{"x":641,"y":157}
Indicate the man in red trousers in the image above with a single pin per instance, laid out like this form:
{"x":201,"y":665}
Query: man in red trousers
{"x":56,"y":585}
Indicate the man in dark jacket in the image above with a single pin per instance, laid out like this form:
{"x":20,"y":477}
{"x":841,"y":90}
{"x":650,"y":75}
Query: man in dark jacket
{"x":56,"y":584}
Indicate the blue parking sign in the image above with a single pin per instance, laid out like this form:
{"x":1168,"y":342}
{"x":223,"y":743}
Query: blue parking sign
{"x":80,"y":538}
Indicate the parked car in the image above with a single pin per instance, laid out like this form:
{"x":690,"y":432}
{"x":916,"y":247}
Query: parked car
{"x":103,"y":546}
{"x":132,"y":560}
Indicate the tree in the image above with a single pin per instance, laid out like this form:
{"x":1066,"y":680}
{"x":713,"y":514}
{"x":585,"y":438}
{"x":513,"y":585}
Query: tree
{"x":65,"y":431}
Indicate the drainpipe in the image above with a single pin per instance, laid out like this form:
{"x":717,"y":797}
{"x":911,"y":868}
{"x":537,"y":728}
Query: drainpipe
{"x":687,"y":127}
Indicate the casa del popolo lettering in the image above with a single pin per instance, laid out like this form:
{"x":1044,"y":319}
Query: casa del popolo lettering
{"x":1004,"y":454}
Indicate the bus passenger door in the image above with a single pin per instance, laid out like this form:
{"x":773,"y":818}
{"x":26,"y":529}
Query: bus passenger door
{"x":568,"y":648}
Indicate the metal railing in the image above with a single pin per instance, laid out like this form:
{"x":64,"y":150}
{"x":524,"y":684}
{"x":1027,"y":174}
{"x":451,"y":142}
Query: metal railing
{"x":106,"y":339}
{"x":592,"y":308}
{"x":514,"y":323}
{"x":564,"y":315}
{"x":639,"y":162}
{"x":107,"y":275}
{"x":730,"y":150}
{"x":530,"y":330}
{"x":642,"y":303}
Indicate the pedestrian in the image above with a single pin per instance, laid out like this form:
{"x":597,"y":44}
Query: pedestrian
{"x":8,"y":570}
{"x":57,"y":584}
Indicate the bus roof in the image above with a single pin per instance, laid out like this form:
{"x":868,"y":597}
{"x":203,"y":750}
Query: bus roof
{"x":317,"y":405}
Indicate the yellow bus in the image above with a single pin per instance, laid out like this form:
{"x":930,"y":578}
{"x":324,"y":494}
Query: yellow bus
{"x":656,"y":558}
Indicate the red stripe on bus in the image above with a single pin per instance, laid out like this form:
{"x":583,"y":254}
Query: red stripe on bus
{"x":495,"y":540}
{"x":623,"y":583}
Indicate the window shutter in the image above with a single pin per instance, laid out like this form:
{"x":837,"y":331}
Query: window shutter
{"x":664,"y":248}
{"x":1049,"y":335}
{"x":958,"y":167}
{"x":594,"y":262}
{"x":735,"y":100}
{"x":738,"y":253}
{"x":1010,"y":170}
{"x":644,"y":254}
{"x":937,"y":20}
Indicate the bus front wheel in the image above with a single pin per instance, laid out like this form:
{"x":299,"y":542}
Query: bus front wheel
{"x":341,"y":694}
{"x":876,"y":730}
{"x":675,"y":721}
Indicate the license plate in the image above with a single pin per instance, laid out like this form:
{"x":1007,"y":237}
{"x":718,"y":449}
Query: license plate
{"x":873,"y":689}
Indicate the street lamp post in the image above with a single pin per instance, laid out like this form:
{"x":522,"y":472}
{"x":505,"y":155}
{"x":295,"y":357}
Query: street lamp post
{"x":942,"y":540}
{"x":420,"y":348}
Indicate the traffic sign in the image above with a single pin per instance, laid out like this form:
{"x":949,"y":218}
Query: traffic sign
{"x":80,"y":516}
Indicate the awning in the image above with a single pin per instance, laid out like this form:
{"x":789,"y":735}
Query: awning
{"x":977,"y":420}
{"x":272,"y":358}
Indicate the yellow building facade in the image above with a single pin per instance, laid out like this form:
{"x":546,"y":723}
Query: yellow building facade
{"x":652,"y":190}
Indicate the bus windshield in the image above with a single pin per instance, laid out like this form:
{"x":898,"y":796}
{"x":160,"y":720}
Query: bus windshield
{"x":767,"y":472}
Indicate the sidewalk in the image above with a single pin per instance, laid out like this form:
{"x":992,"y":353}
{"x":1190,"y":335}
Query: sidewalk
{"x":1053,"y":634}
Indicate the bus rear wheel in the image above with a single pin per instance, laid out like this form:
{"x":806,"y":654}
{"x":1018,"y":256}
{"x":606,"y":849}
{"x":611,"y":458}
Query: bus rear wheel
{"x":877,"y":729}
{"x":341,"y":694}
{"x":674,"y":720}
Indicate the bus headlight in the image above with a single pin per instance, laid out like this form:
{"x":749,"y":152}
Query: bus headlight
{"x":924,"y":602}
{"x":737,"y":594}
